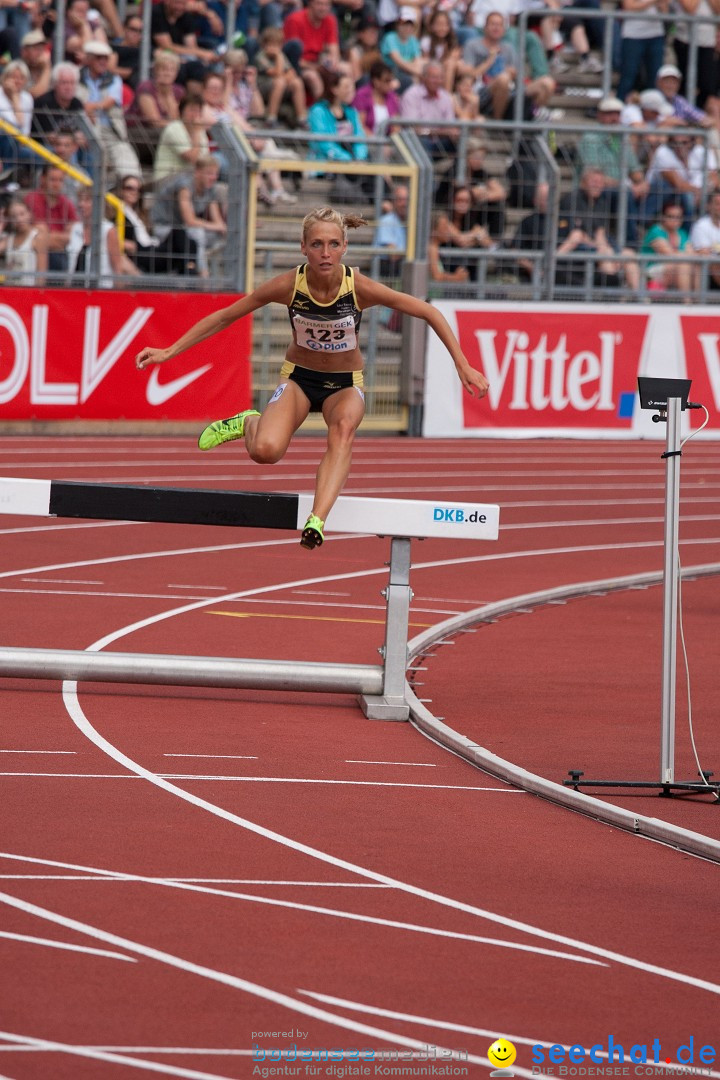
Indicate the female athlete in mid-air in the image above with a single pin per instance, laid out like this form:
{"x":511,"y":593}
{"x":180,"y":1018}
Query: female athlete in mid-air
{"x":323,"y":364}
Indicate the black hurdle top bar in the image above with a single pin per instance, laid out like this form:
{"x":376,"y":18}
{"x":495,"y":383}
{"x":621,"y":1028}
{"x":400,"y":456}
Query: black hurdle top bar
{"x":184,"y":506}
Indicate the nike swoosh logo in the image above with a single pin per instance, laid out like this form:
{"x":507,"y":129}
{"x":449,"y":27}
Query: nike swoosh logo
{"x":158,"y":393}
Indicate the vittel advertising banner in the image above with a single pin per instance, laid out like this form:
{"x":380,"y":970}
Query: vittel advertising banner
{"x":570,"y":371}
{"x":71,"y":355}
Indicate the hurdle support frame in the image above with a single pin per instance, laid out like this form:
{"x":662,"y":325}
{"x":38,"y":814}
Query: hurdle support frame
{"x":380,"y":690}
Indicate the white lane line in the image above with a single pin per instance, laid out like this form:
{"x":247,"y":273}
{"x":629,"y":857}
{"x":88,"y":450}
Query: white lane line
{"x":314,"y":909}
{"x":65,"y":528}
{"x":346,"y":783}
{"x":49,"y":943}
{"x":263,"y":780}
{"x":51,"y":1046}
{"x":198,"y":881}
{"x":415,"y":764}
{"x":63,"y":581}
{"x":38,"y":751}
{"x":465,"y":1029}
{"x":262,"y":992}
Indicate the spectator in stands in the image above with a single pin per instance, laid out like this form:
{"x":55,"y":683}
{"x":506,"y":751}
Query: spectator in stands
{"x":603,"y":149}
{"x":391,"y":234}
{"x":539,"y":83}
{"x":24,"y":246}
{"x":112,"y":260}
{"x":489,"y":196}
{"x":685,"y":113}
{"x":365,"y":49}
{"x":240,"y":93}
{"x":155,"y":105}
{"x":334,"y":115}
{"x":642,"y":45}
{"x":493,"y":64}
{"x":465,"y":100}
{"x":315,"y":29}
{"x":103,"y":95}
{"x":82,"y":25}
{"x":705,"y":237}
{"x":531,"y":234}
{"x":15,"y":23}
{"x":127,"y":51}
{"x":376,"y":101}
{"x":460,"y":229}
{"x":583,"y":33}
{"x":140,"y":245}
{"x":704,"y":34}
{"x":401,"y":49}
{"x":669,"y":239}
{"x":35,"y":52}
{"x":428,"y":102}
{"x":436,"y":267}
{"x":183,"y":141}
{"x":680,"y":170}
{"x":16,"y":108}
{"x":441,"y":43}
{"x":586,"y":223}
{"x":277,"y":80}
{"x":50,"y":207}
{"x":174,"y":27}
{"x":187,"y":209}
{"x":60,"y":109}
{"x":64,"y":146}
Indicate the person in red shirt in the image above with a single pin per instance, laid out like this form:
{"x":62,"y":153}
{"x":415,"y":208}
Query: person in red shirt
{"x":50,"y":207}
{"x":315,"y":27}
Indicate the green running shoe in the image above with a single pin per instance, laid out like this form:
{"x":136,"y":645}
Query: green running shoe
{"x":221,"y":431}
{"x":312,"y":534}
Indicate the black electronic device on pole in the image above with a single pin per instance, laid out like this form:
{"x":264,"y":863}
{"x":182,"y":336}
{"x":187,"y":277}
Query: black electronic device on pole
{"x":668,"y":397}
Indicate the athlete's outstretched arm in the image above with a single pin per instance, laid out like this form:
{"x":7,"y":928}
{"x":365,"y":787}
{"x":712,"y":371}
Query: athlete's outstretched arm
{"x":277,"y":290}
{"x":370,"y":293}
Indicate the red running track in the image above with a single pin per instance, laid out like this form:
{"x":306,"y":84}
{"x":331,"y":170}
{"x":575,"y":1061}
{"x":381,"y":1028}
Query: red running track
{"x":189,"y":874}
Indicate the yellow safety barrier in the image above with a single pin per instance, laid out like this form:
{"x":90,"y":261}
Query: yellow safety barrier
{"x":70,"y":170}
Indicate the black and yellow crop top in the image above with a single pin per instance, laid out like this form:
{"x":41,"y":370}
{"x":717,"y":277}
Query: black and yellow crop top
{"x":325,"y":328}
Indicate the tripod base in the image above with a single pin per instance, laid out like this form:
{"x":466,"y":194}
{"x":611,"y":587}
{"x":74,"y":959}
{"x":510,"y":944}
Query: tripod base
{"x":665,"y":788}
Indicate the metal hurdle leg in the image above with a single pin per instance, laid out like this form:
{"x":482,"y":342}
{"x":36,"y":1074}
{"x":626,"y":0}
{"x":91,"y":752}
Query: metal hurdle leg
{"x":391,"y":705}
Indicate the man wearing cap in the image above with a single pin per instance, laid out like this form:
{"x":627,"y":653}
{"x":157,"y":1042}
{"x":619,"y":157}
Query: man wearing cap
{"x":651,"y":111}
{"x":35,"y":52}
{"x":668,"y":83}
{"x":401,"y":49}
{"x":603,"y":150}
{"x":102,"y":93}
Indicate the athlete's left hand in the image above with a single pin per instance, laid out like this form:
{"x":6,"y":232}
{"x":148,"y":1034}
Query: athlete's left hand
{"x":474,"y":381}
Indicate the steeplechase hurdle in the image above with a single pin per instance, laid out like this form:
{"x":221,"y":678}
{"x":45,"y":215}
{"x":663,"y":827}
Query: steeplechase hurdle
{"x":380,"y":689}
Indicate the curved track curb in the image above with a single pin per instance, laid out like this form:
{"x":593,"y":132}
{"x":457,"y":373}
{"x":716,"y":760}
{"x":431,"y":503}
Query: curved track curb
{"x":435,"y":729}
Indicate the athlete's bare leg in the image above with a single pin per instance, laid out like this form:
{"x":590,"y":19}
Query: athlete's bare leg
{"x":342,"y":413}
{"x":268,"y":436}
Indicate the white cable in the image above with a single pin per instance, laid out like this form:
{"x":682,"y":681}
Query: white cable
{"x":697,"y":430}
{"x":682,"y":634}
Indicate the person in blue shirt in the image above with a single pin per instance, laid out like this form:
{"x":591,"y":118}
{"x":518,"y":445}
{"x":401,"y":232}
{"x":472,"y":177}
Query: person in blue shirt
{"x":334,"y":115}
{"x":391,"y":233}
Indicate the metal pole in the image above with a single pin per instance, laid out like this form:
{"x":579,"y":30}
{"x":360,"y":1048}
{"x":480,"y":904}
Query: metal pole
{"x":670,"y":590}
{"x":392,"y":704}
{"x":190,"y":671}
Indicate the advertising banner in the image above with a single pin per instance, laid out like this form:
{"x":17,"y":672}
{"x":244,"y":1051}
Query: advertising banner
{"x":71,"y":355}
{"x":570,"y":370}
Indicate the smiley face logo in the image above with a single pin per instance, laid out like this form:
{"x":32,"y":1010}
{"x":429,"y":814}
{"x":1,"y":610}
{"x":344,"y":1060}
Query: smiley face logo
{"x":502,"y":1054}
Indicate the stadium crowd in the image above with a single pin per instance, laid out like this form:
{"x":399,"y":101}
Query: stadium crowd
{"x":344,"y":71}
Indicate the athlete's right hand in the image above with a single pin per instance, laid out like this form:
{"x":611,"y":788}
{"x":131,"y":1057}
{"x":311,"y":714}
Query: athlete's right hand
{"x":149,"y":356}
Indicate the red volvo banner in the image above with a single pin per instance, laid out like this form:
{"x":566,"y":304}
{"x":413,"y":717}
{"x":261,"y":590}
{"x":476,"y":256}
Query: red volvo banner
{"x":570,"y":370}
{"x":71,"y":355}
